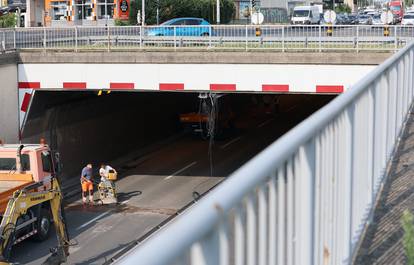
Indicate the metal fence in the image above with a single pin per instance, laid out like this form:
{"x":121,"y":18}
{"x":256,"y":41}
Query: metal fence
{"x":229,"y":37}
{"x":307,"y":197}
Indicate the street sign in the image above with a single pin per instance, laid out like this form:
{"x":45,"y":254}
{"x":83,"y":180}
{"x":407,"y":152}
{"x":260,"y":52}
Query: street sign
{"x":257,"y":18}
{"x":387,"y":17}
{"x":330,"y":16}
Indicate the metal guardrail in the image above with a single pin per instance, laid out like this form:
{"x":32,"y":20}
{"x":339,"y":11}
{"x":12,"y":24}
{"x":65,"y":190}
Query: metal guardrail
{"x":226,"y":37}
{"x":307,"y":197}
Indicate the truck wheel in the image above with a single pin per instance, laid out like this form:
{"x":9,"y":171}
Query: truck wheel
{"x":42,"y":225}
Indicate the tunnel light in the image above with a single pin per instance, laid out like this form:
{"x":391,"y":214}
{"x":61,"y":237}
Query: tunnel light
{"x":99,"y":92}
{"x":202,"y":95}
{"x":108,"y":92}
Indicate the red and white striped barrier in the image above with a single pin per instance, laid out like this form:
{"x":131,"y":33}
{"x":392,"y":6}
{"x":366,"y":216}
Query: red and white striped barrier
{"x":254,"y":78}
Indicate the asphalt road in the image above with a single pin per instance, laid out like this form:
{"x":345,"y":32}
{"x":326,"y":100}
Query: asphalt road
{"x":157,"y":185}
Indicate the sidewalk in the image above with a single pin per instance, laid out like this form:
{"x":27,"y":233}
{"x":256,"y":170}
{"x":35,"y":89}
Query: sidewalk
{"x":383,"y":241}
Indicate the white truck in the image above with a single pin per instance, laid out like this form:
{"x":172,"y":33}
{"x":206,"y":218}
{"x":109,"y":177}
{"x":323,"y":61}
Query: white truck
{"x":306,"y":15}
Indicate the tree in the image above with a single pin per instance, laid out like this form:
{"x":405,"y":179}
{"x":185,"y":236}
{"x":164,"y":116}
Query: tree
{"x":8,"y":20}
{"x":169,"y":9}
{"x":343,"y":8}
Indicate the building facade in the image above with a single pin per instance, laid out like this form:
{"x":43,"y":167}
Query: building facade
{"x":85,"y":12}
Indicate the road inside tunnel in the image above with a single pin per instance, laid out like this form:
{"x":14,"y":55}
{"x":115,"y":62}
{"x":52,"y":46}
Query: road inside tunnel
{"x":163,"y":160}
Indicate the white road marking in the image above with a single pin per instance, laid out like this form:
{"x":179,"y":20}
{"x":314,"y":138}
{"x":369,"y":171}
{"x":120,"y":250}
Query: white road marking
{"x":265,"y":122}
{"x":92,"y":220}
{"x":231,"y":142}
{"x":292,"y":108}
{"x":181,"y":170}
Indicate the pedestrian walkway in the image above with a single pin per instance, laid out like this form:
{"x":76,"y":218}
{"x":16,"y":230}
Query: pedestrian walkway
{"x":383,"y":241}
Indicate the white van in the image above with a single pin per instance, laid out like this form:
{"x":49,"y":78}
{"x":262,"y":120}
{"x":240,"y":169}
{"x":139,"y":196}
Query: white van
{"x":306,"y":15}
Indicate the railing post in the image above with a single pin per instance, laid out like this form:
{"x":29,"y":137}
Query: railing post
{"x":395,"y":39}
{"x":76,"y":38}
{"x":14,"y":38}
{"x":109,"y":38}
{"x":4,"y":41}
{"x":320,"y":38}
{"x":175,"y":38}
{"x":357,"y":39}
{"x":141,"y":28}
{"x":44,"y":38}
{"x":209,"y":37}
{"x":246,"y":35}
{"x":283,"y":38}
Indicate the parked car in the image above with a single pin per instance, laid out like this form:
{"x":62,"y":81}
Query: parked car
{"x":376,"y":20}
{"x":364,"y":20}
{"x":353,"y":19}
{"x":187,"y":26}
{"x":408,"y":19}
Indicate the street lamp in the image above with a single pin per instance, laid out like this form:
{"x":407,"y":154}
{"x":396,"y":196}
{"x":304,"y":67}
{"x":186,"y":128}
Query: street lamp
{"x":143,"y":13}
{"x":158,"y":12}
{"x":218,"y":11}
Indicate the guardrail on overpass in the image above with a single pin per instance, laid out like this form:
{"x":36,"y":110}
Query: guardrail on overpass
{"x":307,"y":197}
{"x":224,"y":37}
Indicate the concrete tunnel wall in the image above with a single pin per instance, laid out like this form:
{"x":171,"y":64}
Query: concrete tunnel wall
{"x":85,"y":127}
{"x":9,"y":114}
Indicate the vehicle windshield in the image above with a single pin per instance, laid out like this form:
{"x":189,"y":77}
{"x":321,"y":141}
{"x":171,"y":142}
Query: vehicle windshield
{"x":168,"y":22}
{"x":395,"y":8}
{"x":9,"y":163}
{"x":363,"y":17}
{"x":376,"y":17}
{"x":301,"y":13}
{"x":409,"y":16}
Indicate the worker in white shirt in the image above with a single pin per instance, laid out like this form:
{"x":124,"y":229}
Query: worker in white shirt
{"x":105,"y":170}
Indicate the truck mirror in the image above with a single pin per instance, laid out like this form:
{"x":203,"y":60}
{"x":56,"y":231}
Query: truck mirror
{"x":58,"y":165}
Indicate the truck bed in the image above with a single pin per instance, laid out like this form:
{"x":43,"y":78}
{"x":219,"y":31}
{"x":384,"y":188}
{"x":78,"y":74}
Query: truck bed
{"x":9,"y":183}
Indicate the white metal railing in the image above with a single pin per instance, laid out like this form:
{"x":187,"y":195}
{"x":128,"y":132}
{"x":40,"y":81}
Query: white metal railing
{"x":222,"y":37}
{"x":307,"y":197}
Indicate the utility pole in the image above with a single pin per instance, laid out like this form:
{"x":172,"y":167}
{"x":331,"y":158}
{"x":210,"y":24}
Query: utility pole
{"x":218,"y":11}
{"x":143,"y":13}
{"x":158,"y":12}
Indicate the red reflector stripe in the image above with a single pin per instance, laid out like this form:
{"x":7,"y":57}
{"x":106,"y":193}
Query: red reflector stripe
{"x":121,"y":86}
{"x":329,"y":89}
{"x":275,"y":88}
{"x":26,"y":102}
{"x":32,"y":85}
{"x":74,"y":85}
{"x":171,"y":86}
{"x":223,"y":87}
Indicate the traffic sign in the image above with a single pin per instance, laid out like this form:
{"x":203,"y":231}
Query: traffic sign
{"x":387,"y":17}
{"x":330,"y":16}
{"x":257,"y":18}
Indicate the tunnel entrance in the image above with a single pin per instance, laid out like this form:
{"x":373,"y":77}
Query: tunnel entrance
{"x":85,"y":127}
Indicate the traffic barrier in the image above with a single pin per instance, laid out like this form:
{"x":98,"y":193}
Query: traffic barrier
{"x":214,"y":37}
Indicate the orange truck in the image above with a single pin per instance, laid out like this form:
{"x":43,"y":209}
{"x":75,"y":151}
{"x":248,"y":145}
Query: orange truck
{"x":30,"y":196}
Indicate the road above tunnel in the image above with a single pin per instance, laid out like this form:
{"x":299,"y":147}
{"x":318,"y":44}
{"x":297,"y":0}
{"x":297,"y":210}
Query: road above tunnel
{"x":155,"y":186}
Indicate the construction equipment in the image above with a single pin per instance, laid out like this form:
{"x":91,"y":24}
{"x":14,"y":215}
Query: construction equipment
{"x":29,"y":196}
{"x":19,"y":205}
{"x":107,"y":189}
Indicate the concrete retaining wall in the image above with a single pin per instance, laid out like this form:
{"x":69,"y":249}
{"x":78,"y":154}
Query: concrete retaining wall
{"x":9,"y":112}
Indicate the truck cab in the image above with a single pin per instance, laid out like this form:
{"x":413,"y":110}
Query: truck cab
{"x":397,"y":9}
{"x":23,"y":165}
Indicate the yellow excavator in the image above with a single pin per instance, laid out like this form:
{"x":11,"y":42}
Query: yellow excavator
{"x":39,"y":193}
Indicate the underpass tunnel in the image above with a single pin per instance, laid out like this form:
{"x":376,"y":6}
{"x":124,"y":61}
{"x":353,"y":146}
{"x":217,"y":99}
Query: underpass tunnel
{"x":84,"y":127}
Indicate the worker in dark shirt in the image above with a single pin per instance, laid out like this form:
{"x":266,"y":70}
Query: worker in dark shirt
{"x":87,"y":183}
